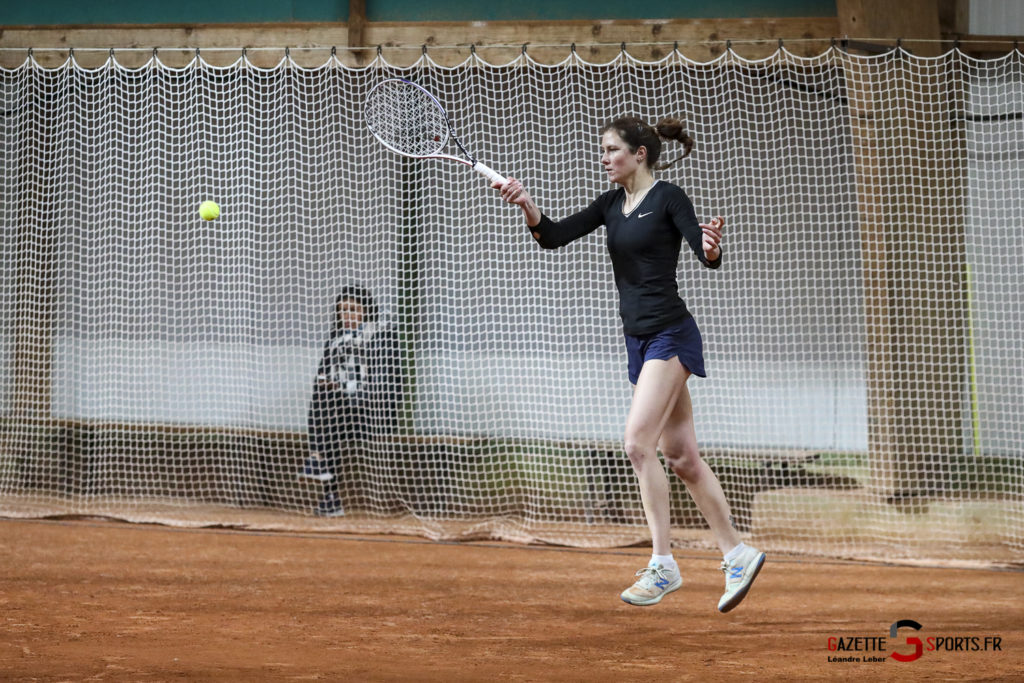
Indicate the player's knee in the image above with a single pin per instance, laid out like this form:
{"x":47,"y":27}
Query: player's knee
{"x":684,"y":462}
{"x":639,"y":451}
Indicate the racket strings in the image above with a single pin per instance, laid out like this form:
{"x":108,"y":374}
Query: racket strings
{"x":406,"y":119}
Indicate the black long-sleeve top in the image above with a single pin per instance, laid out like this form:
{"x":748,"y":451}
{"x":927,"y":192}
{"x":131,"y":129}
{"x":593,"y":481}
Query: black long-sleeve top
{"x":360,"y":370}
{"x":644,"y":246}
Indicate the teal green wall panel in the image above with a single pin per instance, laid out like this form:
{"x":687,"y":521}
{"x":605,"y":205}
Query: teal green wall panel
{"x":320,"y":10}
{"x":45,"y":12}
{"x":463,"y":10}
{"x":170,"y":11}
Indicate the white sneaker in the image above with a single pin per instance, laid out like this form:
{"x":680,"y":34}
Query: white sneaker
{"x":739,"y":574}
{"x":653,"y":584}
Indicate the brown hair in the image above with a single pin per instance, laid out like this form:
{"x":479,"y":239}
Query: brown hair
{"x":637,"y":133}
{"x":361,"y":296}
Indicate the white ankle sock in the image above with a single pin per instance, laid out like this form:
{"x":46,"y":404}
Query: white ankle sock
{"x":735,"y":552}
{"x":666,"y":561}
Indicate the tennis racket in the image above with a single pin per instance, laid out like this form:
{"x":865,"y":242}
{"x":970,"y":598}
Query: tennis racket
{"x":408,"y":120}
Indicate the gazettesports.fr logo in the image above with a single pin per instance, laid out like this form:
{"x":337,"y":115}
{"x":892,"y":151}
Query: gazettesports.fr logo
{"x":875,"y":649}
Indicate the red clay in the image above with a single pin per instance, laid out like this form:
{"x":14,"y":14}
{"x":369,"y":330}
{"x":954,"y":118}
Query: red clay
{"x":117,"y":602}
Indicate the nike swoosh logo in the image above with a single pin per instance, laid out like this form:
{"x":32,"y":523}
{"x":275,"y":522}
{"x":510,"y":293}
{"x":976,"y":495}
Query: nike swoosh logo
{"x":645,"y":214}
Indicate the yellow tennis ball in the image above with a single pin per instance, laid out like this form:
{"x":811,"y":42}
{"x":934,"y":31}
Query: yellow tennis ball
{"x":209,"y":210}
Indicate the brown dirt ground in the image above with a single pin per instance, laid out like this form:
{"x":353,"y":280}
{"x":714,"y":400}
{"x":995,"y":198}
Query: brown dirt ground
{"x":97,"y":600}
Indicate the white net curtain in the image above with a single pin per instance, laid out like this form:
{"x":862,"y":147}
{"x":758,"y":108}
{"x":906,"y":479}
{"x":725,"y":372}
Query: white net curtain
{"x":862,"y":337}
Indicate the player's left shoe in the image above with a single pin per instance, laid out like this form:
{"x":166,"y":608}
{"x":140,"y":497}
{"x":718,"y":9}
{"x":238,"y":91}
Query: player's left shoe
{"x":739,"y":575}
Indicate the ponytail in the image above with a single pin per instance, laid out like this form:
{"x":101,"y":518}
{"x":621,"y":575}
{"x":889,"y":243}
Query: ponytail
{"x":671,"y":128}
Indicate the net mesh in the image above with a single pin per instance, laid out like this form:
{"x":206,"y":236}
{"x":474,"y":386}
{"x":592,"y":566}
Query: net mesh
{"x":863,"y":337}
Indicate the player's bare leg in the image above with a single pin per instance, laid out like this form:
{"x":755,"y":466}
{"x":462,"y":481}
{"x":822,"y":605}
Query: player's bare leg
{"x":679,"y":446}
{"x":656,"y":392}
{"x":682,"y":454}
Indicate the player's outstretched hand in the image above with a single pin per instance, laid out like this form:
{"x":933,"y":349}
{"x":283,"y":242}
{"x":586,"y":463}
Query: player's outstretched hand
{"x":712,"y":237}
{"x":513,"y":192}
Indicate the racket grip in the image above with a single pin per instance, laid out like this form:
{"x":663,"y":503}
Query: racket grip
{"x":489,"y":173}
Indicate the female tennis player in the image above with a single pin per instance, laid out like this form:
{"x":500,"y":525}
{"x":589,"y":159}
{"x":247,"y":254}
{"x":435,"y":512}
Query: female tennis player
{"x":646,"y":221}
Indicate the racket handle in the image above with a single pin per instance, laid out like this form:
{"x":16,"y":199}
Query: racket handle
{"x":489,"y":173}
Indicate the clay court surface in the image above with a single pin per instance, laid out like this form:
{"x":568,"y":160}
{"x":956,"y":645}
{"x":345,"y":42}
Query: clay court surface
{"x":106,"y":601}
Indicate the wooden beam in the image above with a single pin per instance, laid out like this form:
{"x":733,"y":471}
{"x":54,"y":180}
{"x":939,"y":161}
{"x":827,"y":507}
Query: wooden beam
{"x":988,"y":47}
{"x":357,"y":28}
{"x":449,"y":43}
{"x":953,"y":16}
{"x":908,"y":19}
{"x":909,"y":165}
{"x":356,"y":23}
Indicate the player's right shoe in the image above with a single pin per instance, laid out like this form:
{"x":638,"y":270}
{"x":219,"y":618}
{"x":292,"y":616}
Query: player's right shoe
{"x":652,"y":584}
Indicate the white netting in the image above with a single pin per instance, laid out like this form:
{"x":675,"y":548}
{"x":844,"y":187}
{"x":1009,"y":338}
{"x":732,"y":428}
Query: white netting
{"x":863,"y":336}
